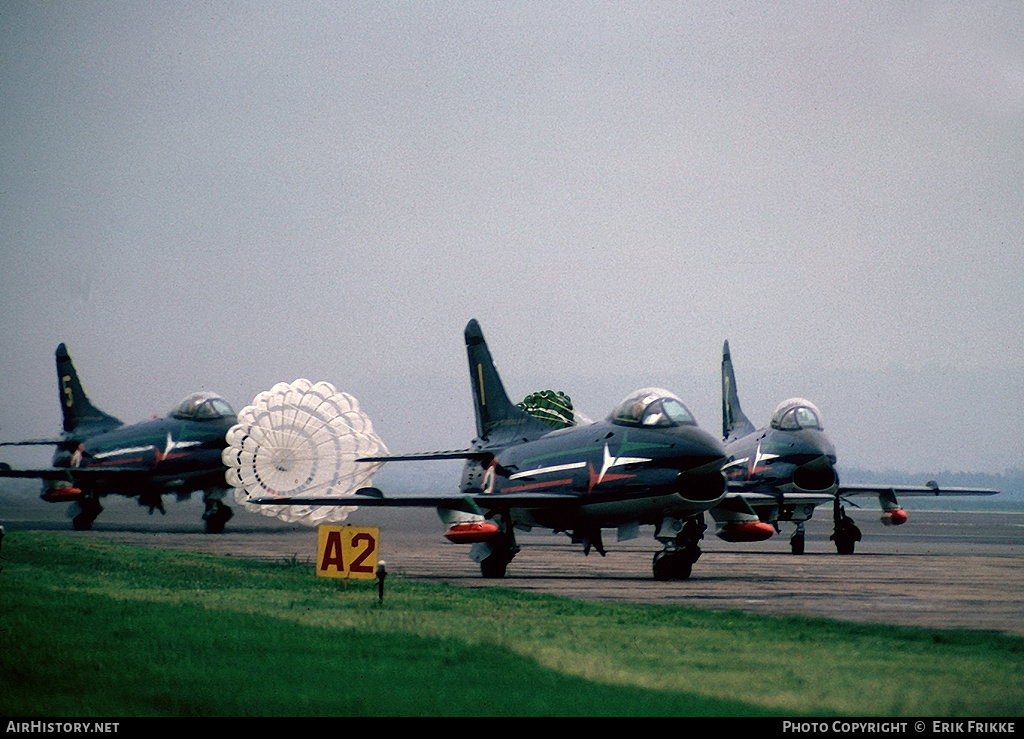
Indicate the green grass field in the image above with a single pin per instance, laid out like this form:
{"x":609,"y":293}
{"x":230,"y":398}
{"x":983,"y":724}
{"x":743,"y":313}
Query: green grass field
{"x":90,"y":628}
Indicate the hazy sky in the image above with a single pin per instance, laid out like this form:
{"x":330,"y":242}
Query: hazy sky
{"x":225,"y":195}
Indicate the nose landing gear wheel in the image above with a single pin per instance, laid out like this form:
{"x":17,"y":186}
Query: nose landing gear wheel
{"x":796,"y":543}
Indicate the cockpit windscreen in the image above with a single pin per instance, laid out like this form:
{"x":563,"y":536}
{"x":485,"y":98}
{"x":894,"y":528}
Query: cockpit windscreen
{"x":654,"y":408}
{"x":202,"y":407}
{"x":795,"y":414}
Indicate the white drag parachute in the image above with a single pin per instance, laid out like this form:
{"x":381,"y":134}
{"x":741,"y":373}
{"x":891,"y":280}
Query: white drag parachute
{"x":301,"y":439}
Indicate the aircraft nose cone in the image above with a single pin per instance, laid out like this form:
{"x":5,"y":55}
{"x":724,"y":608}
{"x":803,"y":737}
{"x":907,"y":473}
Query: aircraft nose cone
{"x":820,"y":445}
{"x":697,"y":448}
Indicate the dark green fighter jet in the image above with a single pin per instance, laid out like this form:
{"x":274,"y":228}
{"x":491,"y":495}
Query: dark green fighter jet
{"x":98,"y":455}
{"x":647,"y":463}
{"x":783,"y":471}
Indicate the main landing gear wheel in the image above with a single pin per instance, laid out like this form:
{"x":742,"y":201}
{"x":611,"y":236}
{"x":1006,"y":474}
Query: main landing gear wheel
{"x":495,"y":565}
{"x":846,"y":533}
{"x":217,"y":514}
{"x":675,"y":561}
{"x":672,"y":565}
{"x":88,"y":509}
{"x":845,"y":540}
{"x":503,"y":550}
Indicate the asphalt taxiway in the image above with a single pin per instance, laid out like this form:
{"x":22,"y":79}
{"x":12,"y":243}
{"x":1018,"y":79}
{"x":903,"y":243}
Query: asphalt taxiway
{"x":939,"y":570}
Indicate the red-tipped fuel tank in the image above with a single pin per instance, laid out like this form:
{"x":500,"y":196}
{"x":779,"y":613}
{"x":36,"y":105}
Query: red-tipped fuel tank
{"x":746,"y":531}
{"x":472,"y":532}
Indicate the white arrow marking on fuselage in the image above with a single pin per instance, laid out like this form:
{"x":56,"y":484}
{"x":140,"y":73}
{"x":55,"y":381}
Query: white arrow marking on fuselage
{"x":544,"y":470}
{"x":751,"y":466}
{"x":169,"y":446}
{"x":125,"y":450}
{"x":172,"y":444}
{"x":758,"y":458}
{"x":610,"y":462}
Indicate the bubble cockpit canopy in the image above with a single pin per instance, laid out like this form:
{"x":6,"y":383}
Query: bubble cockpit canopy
{"x":652,"y":407}
{"x":795,"y":414}
{"x":203,"y":407}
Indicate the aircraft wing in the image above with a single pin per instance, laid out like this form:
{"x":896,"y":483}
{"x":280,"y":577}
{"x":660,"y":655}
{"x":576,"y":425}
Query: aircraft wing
{"x":484,"y":457}
{"x":476,"y":454}
{"x":37,"y":442}
{"x":845,"y":491}
{"x":762,"y":498}
{"x":930,"y":488}
{"x":469,"y":503}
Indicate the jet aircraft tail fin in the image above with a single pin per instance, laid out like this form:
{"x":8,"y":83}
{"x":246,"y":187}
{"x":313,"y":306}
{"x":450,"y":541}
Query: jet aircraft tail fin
{"x":79,"y":413}
{"x":734,"y":423}
{"x":498,"y":419}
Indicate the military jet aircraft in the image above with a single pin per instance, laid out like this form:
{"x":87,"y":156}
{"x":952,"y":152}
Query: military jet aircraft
{"x":647,"y":463}
{"x":98,"y":455}
{"x":783,"y":471}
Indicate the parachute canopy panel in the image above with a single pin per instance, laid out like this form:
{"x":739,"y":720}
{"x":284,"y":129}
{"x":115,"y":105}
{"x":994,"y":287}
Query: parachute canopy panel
{"x":552,"y":407}
{"x":301,"y":440}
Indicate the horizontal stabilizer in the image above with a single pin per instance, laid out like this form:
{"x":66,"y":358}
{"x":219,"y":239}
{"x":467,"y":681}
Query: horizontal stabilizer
{"x":38,"y":442}
{"x":46,"y":473}
{"x":72,"y":474}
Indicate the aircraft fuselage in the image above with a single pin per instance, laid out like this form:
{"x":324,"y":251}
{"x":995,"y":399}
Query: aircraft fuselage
{"x":172,"y":455}
{"x":781,"y":461}
{"x":623,"y":474}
